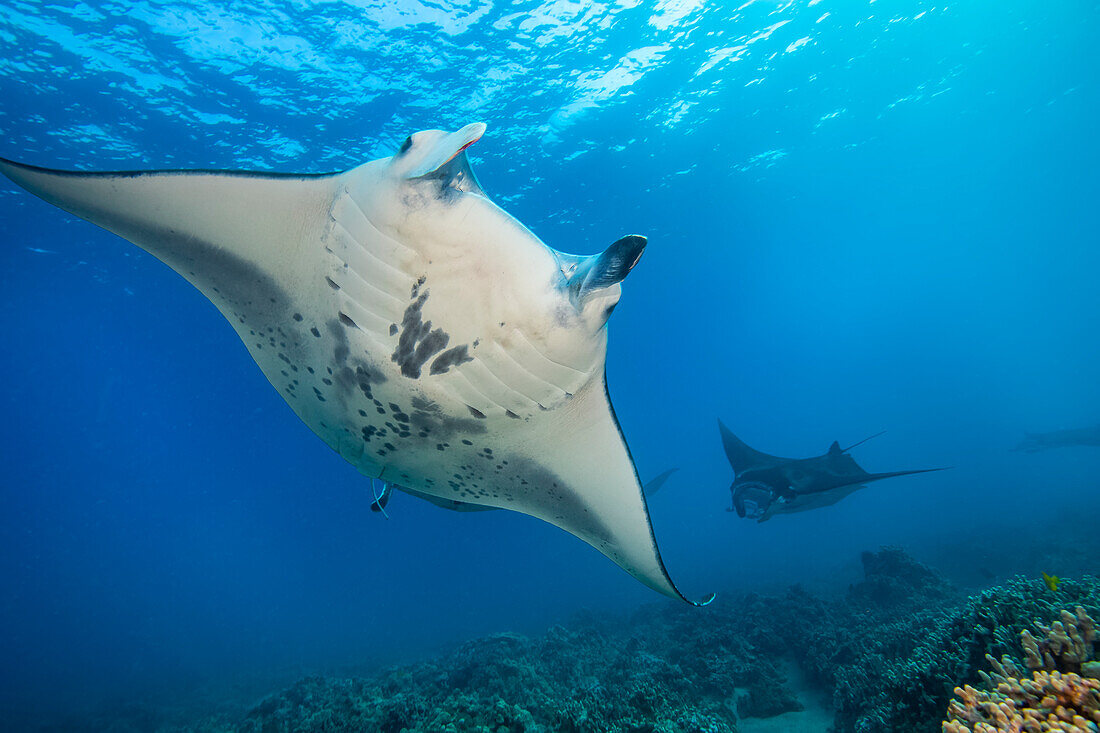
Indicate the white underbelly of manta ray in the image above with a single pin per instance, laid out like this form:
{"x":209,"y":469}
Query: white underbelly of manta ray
{"x":417,"y":328}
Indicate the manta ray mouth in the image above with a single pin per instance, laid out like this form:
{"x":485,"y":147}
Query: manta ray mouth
{"x":752,"y":499}
{"x":462,"y":148}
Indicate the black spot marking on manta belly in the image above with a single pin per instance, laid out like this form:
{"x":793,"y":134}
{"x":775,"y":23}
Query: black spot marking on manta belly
{"x":348,"y":372}
{"x":428,"y":417}
{"x":331,"y":283}
{"x":512,"y":415}
{"x":476,"y":412}
{"x":393,"y":329}
{"x":364,"y":378}
{"x":418,"y":341}
{"x":297,"y":316}
{"x":449,"y":358}
{"x":346,"y":320}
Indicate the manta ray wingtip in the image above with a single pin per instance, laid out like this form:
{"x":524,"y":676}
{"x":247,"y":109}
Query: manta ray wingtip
{"x":6,"y":166}
{"x":706,"y":601}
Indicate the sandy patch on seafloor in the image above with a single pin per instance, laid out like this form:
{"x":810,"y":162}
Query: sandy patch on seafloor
{"x":810,"y":720}
{"x":817,"y":717}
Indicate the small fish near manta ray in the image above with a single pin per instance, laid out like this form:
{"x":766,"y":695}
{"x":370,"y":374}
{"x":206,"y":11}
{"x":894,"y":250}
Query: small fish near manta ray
{"x":766,"y":485}
{"x":421,"y":331}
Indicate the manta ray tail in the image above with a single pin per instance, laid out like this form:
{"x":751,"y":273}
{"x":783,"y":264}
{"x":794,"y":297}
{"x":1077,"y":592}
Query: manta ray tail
{"x":380,"y":499}
{"x":891,"y":474}
{"x":854,"y":445}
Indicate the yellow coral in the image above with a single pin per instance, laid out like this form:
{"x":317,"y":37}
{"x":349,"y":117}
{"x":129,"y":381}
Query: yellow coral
{"x":1054,"y":698}
{"x":1049,"y":701}
{"x":1066,"y":644}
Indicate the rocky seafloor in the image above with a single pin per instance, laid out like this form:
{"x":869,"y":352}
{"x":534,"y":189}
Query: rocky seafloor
{"x":886,"y":656}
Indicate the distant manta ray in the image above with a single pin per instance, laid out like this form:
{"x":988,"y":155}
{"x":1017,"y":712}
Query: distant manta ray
{"x":1035,"y":442}
{"x":422,"y":332}
{"x":766,"y":485}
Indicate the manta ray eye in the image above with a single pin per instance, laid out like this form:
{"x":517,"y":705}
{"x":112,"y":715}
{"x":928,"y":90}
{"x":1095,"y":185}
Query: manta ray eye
{"x":406,"y":145}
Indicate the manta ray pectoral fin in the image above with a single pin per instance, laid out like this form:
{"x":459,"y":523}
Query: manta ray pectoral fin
{"x":236,"y":236}
{"x":589,"y":487}
{"x":743,"y":458}
{"x":608,"y":268}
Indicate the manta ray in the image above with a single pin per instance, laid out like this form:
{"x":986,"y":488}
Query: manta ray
{"x":417,"y":328}
{"x":383,"y":495}
{"x":766,"y":485}
{"x":1035,"y":442}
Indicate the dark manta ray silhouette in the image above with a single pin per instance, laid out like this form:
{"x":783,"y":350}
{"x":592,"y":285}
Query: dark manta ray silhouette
{"x":766,"y":485}
{"x":1035,"y":442}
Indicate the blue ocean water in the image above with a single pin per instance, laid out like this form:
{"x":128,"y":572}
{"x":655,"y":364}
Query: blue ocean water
{"x":862,"y":216}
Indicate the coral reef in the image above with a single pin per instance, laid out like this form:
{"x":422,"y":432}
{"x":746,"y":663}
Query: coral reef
{"x":577,"y":679}
{"x":668,"y":669}
{"x":888,"y":653}
{"x":903,"y":683}
{"x":1055,"y":697}
{"x":892,"y":577}
{"x":1065,"y":645}
{"x":1049,"y":701}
